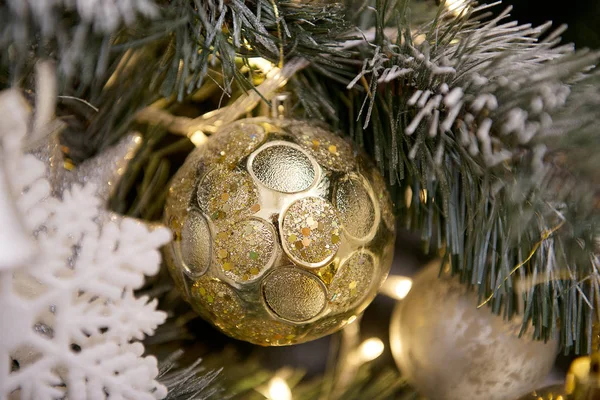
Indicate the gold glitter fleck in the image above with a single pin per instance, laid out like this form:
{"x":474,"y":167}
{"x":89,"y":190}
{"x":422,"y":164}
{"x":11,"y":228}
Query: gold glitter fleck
{"x":227,"y":266}
{"x":335,"y":239}
{"x":225,"y":196}
{"x":254,"y":270}
{"x":292,"y":238}
{"x":306,"y":242}
{"x":299,"y":245}
{"x":223,"y":253}
{"x":255,"y":208}
{"x":327,"y":273}
{"x":223,"y":235}
{"x":306,"y":231}
{"x":332,"y":149}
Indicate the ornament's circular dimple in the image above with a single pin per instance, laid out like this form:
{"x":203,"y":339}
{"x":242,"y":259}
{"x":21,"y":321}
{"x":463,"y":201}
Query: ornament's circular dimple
{"x":283,"y":168}
{"x":381,"y":192}
{"x":293,"y":294}
{"x":310,"y":231}
{"x":218,"y":299}
{"x":196,"y":244}
{"x":357,"y":210}
{"x":230,"y":145}
{"x":328,"y":149}
{"x":352,"y":280}
{"x":245,"y":250}
{"x":226,"y":195}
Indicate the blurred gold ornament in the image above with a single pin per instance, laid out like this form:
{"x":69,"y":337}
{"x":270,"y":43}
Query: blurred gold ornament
{"x":582,"y":382}
{"x":449,"y":349}
{"x":283,"y":232}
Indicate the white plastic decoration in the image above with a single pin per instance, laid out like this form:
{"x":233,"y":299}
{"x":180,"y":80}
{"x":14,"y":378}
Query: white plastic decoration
{"x":69,"y":320}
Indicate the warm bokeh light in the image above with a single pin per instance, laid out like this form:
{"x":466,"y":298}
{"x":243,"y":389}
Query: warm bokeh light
{"x":264,"y":65}
{"x":456,"y":6}
{"x":278,"y":389}
{"x":370,"y":349}
{"x":198,"y":138}
{"x":397,"y":287}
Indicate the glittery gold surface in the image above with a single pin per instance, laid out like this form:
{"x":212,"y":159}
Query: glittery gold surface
{"x":311,"y":231}
{"x":329,"y":150}
{"x":245,"y":250}
{"x":232,"y":143}
{"x":278,"y":231}
{"x":226,"y":195}
{"x":293,"y":294}
{"x":357,"y":210}
{"x":352,"y":280}
{"x":269,"y":332}
{"x":283,"y":168}
{"x":219,"y":300}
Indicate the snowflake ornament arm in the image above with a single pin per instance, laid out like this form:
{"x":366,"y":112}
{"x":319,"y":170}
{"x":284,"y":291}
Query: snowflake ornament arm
{"x":70,"y":319}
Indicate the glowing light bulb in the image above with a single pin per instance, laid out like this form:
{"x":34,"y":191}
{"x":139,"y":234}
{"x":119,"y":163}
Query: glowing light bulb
{"x":408,"y":196}
{"x":397,"y":287}
{"x":456,"y":6}
{"x":264,"y":65}
{"x":198,"y":138}
{"x":402,"y":287}
{"x":278,"y":389}
{"x":370,"y":349}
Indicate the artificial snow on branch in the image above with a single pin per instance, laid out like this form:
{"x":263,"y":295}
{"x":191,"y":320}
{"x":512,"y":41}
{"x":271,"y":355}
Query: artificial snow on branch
{"x":489,"y":138}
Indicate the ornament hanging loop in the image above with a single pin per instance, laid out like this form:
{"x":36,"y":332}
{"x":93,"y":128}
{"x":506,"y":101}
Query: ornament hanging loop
{"x":280,"y":107}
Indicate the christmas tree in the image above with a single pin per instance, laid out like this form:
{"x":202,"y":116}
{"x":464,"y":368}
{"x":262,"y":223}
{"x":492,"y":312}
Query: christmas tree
{"x":278,"y":151}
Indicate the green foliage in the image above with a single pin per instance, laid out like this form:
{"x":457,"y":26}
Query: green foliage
{"x":486,"y":132}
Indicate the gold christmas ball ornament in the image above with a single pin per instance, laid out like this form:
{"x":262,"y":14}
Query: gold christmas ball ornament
{"x":451,"y":350}
{"x":283,"y":232}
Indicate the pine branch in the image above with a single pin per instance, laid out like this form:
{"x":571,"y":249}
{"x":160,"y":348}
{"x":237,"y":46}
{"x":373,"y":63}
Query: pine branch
{"x":485,"y":130}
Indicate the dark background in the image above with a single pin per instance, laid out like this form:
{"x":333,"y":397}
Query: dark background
{"x":582,"y":17}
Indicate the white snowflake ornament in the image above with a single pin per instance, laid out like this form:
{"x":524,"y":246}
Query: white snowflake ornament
{"x":70,"y":322}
